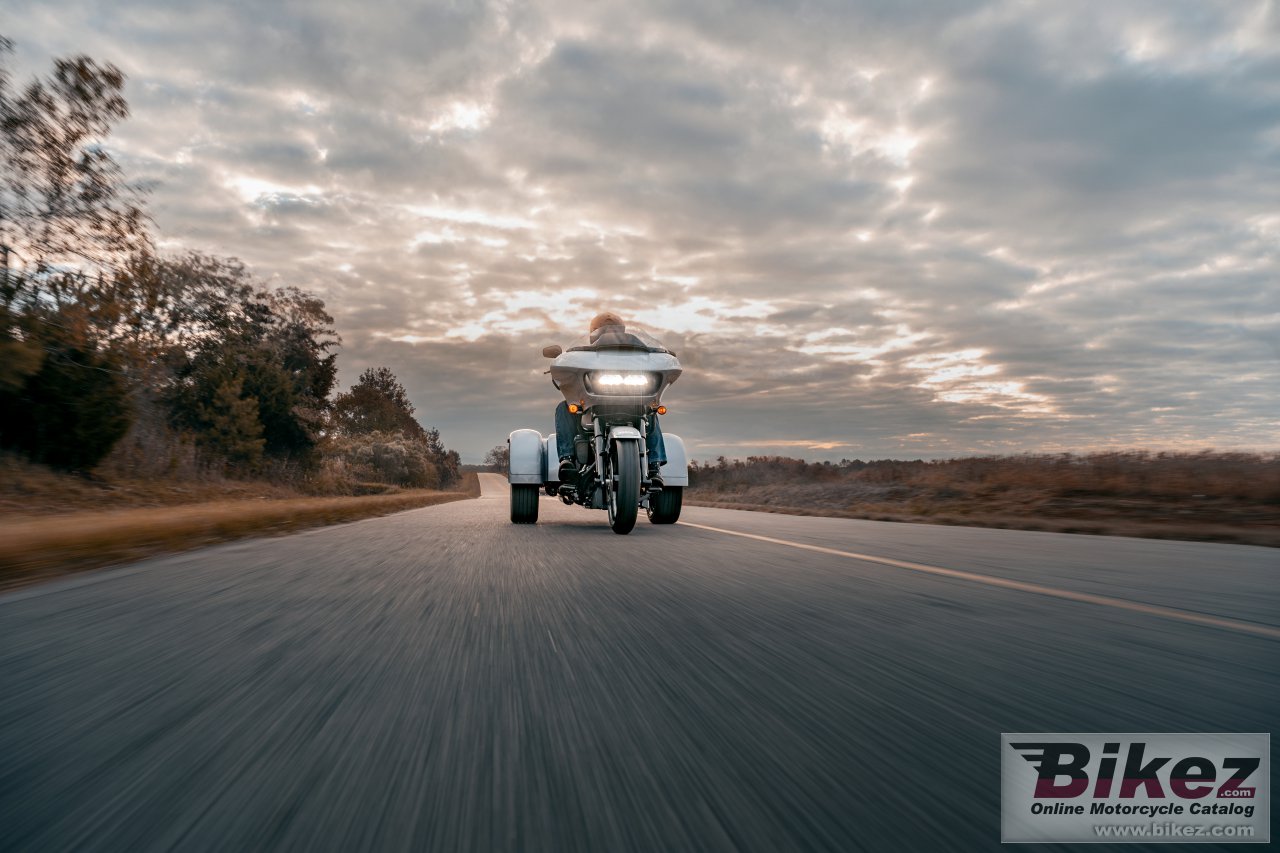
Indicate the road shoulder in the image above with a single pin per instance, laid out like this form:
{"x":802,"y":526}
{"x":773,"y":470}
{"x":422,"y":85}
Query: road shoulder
{"x":39,"y":549}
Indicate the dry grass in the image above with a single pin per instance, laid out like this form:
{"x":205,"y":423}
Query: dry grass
{"x":39,"y":547}
{"x":1221,"y":497}
{"x":27,"y":489}
{"x":1198,"y":532}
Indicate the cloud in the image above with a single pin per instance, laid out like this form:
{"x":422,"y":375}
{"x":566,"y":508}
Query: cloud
{"x":805,"y":443}
{"x":922,"y":229}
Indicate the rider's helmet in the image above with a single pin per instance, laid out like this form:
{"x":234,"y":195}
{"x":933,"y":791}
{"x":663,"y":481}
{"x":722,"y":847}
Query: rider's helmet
{"x":606,"y":318}
{"x":609,"y":332}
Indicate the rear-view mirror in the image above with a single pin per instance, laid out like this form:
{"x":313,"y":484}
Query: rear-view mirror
{"x":551,"y":351}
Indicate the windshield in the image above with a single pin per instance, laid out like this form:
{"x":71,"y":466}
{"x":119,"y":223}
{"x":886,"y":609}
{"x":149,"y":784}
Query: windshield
{"x":628,"y":337}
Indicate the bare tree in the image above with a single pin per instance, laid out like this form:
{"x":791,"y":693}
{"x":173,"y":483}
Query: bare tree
{"x":499,"y":458}
{"x":64,"y":203}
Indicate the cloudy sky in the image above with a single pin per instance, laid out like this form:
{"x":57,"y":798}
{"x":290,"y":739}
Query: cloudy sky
{"x":868,"y":228}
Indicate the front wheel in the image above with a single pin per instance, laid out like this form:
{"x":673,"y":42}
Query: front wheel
{"x":664,"y":507}
{"x":622,"y":486}
{"x":524,"y":503}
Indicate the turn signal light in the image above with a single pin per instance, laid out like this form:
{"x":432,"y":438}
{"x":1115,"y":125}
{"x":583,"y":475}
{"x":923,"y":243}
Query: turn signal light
{"x":662,"y":410}
{"x":573,"y":409}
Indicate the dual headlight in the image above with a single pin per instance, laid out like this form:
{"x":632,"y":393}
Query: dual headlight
{"x":616,"y":382}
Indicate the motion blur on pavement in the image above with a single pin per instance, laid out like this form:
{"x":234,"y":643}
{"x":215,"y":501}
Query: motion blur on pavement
{"x":441,"y":679}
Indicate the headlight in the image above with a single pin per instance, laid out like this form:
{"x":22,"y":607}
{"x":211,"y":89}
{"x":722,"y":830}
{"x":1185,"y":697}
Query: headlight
{"x":607,"y":382}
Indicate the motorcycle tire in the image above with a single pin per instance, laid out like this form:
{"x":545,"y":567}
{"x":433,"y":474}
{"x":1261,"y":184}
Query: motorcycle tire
{"x":664,"y":507}
{"x":623,"y":496}
{"x":524,"y":503}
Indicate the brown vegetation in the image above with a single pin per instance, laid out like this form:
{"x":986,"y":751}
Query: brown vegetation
{"x":1229,"y":497}
{"x":40,"y":547}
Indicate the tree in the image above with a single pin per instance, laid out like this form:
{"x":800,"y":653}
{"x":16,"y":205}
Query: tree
{"x":302,"y":335}
{"x":66,"y":218}
{"x":91,"y":319}
{"x":448,"y":462}
{"x":20,"y":354}
{"x":274,"y":346}
{"x":70,"y":411}
{"x":377,"y":403}
{"x":232,"y":427}
{"x":63,"y":199}
{"x":499,"y":458}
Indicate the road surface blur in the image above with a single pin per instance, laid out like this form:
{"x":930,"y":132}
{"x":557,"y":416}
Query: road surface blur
{"x":443,"y":680}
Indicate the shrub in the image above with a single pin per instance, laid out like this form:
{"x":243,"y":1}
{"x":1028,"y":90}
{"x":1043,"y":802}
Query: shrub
{"x":385,"y":457}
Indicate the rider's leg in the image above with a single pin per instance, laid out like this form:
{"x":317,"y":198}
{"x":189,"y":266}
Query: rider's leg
{"x":657,"y":449}
{"x":565,"y":430}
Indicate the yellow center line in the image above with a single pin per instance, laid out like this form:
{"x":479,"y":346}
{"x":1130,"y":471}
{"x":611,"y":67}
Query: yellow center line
{"x":1267,"y":631}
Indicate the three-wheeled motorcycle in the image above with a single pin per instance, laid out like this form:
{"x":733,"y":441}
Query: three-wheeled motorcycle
{"x":613,"y":384}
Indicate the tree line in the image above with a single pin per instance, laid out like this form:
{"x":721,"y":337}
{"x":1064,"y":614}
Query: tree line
{"x":1131,"y":473}
{"x":110,"y":350}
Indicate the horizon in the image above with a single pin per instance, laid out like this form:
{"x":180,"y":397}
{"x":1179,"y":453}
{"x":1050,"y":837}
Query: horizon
{"x":1082,"y":455}
{"x":962,"y":229}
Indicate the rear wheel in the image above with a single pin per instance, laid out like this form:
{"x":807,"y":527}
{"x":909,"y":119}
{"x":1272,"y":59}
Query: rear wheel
{"x":524,"y":503}
{"x":622,"y":486}
{"x":664,"y":507}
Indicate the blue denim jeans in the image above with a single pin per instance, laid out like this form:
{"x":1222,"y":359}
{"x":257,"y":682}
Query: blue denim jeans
{"x":567,"y":426}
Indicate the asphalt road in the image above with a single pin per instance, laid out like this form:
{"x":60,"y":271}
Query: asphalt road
{"x":443,"y":680}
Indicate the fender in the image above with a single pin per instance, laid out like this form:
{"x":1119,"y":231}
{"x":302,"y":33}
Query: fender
{"x":526,"y":457}
{"x":550,"y":460}
{"x":676,"y":471}
{"x":624,"y":433}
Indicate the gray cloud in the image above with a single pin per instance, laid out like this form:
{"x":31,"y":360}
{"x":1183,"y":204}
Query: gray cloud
{"x":869,"y":228}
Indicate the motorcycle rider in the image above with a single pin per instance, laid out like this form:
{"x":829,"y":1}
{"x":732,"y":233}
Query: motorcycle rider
{"x":606,"y":328}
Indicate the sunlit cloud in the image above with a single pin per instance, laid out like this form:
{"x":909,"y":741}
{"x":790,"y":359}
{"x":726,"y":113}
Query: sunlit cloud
{"x":255,"y":190}
{"x":462,"y":115}
{"x":854,"y":137}
{"x":466,"y":216}
{"x":702,"y":314}
{"x":801,"y":443}
{"x":962,"y":377}
{"x":834,"y":344}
